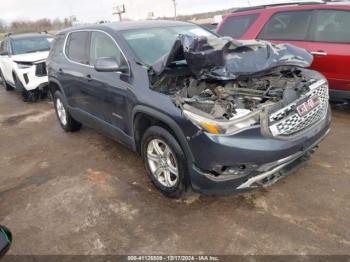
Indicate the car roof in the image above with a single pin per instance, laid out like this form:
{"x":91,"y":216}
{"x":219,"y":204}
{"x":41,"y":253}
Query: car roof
{"x":129,"y":25}
{"x":144,"y":24}
{"x":290,"y":6}
{"x":23,"y":36}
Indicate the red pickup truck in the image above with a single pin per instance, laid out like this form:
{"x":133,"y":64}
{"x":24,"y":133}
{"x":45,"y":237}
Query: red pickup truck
{"x":322,"y":29}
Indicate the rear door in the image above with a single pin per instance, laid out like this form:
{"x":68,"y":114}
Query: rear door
{"x":73,"y":74}
{"x":331,"y":46}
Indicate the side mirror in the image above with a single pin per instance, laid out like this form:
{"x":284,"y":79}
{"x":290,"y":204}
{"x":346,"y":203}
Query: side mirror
{"x":109,"y":64}
{"x":5,"y":240}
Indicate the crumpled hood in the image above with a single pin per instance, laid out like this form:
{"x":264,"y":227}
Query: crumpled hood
{"x":31,"y":57}
{"x":227,"y":59}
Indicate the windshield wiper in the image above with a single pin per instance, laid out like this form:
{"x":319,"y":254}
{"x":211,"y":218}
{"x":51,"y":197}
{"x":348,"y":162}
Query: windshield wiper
{"x":139,"y":62}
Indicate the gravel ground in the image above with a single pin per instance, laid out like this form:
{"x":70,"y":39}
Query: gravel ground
{"x":83,"y":193}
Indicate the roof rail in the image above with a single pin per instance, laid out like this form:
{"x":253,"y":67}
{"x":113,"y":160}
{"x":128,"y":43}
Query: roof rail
{"x":275,"y":5}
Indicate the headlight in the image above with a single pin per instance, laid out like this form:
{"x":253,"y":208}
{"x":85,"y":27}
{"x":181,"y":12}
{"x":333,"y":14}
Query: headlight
{"x":24,"y":65}
{"x":221,"y":126}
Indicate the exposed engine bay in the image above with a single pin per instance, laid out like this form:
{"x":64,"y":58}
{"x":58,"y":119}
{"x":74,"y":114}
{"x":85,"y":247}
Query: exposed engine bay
{"x":212,"y":85}
{"x":231,"y":99}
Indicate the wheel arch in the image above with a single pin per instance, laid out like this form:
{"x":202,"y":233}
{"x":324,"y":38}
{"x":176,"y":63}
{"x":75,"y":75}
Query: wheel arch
{"x":144,"y":117}
{"x":54,"y":85}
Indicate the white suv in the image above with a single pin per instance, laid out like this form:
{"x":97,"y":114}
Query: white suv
{"x":23,"y":64}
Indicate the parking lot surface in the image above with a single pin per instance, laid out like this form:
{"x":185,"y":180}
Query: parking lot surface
{"x":83,"y":193}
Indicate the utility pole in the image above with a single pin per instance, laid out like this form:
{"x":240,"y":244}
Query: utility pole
{"x":119,"y":11}
{"x":175,"y":11}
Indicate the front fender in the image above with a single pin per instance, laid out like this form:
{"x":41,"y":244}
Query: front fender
{"x":168,"y":121}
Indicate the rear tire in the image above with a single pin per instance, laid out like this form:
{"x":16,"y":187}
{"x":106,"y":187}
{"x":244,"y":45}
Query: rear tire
{"x":165,"y":162}
{"x":64,"y":118}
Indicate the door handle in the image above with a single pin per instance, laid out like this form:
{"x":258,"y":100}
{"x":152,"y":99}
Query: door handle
{"x":319,"y":53}
{"x":89,"y":78}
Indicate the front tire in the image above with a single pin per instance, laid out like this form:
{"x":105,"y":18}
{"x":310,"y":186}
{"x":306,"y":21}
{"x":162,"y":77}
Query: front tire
{"x":165,"y":162}
{"x":27,"y":96}
{"x":30,"y":96}
{"x":66,"y":120}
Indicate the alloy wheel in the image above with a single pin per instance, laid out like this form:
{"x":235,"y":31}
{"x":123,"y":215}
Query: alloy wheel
{"x":61,"y":112}
{"x":162,"y":163}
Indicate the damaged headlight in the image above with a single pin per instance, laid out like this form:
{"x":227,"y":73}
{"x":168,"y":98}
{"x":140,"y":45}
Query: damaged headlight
{"x":223,"y":127}
{"x":24,"y":65}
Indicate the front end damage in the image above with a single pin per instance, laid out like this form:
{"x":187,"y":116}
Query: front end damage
{"x":226,"y":87}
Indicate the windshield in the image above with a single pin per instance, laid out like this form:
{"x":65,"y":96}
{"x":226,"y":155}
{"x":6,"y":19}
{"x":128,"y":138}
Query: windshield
{"x":151,"y":44}
{"x":31,"y":44}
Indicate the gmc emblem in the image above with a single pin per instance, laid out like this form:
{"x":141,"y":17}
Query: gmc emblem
{"x":307,"y":106}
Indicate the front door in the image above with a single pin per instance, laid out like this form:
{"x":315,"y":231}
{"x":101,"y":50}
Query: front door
{"x":324,"y":33}
{"x":109,"y":88}
{"x":331,"y":46}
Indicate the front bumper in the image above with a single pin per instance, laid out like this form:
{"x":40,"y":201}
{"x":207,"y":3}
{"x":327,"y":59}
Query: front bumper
{"x":270,"y":159}
{"x":29,"y":77}
{"x":30,"y":81}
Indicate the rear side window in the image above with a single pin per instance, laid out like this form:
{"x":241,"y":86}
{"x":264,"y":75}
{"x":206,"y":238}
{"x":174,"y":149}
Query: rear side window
{"x":331,"y":26}
{"x":288,"y":26}
{"x":77,"y":47}
{"x":103,"y":45}
{"x":237,"y":26}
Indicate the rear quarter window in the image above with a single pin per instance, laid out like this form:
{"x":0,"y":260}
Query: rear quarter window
{"x":237,"y":26}
{"x":57,"y":45}
{"x":291,"y":25}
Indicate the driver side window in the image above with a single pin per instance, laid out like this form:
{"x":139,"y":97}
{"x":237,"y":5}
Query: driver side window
{"x":103,"y":46}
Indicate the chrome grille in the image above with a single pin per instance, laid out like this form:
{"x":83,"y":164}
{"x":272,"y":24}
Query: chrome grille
{"x":287,"y":121}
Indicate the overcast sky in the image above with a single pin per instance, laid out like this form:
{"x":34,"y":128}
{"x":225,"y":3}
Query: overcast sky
{"x":96,"y":10}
